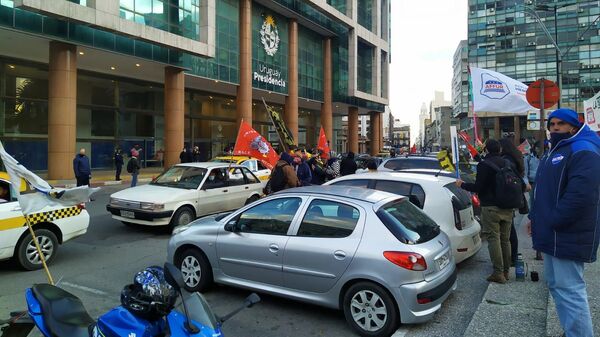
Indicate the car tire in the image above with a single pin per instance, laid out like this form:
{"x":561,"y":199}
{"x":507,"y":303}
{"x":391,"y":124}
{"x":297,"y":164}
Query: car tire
{"x":27,"y":256}
{"x":183,"y":216}
{"x":370,"y":310}
{"x":252,"y":199}
{"x":195,"y":269}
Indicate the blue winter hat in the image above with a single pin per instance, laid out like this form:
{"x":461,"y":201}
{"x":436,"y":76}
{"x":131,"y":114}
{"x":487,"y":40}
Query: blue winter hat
{"x":287,"y":157}
{"x":567,"y":115}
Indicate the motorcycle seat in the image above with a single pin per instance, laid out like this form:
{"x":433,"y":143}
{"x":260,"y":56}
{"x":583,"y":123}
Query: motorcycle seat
{"x":64,"y":314}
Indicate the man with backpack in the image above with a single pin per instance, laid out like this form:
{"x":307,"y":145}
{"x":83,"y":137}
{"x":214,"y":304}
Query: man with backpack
{"x":283,"y":175}
{"x":133,"y":167}
{"x":500,"y":191}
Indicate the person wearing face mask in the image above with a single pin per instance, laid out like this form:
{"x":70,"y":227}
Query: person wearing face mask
{"x":302,"y":169}
{"x":565,"y":216}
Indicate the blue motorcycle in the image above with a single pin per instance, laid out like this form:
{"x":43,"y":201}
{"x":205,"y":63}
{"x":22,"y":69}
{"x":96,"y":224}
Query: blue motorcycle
{"x":148,"y":308}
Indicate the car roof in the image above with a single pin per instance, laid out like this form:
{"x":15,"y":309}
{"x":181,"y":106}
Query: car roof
{"x":404,"y":176}
{"x":238,"y":158}
{"x":357,"y":193}
{"x":208,"y":165}
{"x":413,"y":157}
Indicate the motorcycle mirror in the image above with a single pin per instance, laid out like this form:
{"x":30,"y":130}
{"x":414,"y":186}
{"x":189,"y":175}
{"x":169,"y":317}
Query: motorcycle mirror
{"x":173,"y":276}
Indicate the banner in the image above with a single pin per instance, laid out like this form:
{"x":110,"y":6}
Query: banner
{"x":495,"y":92}
{"x":455,"y":153}
{"x":250,"y":143}
{"x":323,"y":146}
{"x":465,"y":137}
{"x":287,"y":141}
{"x":592,"y":112}
{"x":43,"y":195}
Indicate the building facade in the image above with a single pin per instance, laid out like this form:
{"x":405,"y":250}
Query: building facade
{"x":460,"y":85}
{"x":504,"y":36}
{"x":169,"y":74}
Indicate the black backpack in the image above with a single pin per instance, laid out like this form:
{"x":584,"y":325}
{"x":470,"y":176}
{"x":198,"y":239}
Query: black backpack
{"x":278,"y":179}
{"x":509,"y":186}
{"x":131,"y":165}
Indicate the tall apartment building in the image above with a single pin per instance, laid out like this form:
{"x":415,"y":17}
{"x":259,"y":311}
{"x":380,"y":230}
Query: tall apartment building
{"x":460,"y":85}
{"x":172,"y":73}
{"x":504,"y":37}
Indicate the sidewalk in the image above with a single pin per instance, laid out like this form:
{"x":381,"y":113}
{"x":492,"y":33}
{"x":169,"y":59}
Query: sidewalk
{"x":107,"y":177}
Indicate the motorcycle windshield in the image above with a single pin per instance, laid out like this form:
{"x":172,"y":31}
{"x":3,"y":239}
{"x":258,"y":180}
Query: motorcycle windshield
{"x":199,"y":310}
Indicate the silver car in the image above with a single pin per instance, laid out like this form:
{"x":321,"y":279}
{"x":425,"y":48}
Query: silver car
{"x":370,"y":253}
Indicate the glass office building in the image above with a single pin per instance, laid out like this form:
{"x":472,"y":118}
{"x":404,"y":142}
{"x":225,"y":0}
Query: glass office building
{"x":504,"y":36}
{"x":168,"y":74}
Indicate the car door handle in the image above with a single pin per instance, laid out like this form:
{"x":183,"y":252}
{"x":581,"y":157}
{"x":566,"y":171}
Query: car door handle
{"x":246,"y":187}
{"x":225,"y":191}
{"x":16,"y":209}
{"x":273,"y":248}
{"x":339,"y":255}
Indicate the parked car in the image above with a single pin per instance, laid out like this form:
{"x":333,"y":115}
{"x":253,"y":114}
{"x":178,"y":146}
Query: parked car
{"x":253,"y":164}
{"x":409,"y":162}
{"x":363,"y":160}
{"x":438,"y":196}
{"x":185,"y":192}
{"x":52,"y":226}
{"x":370,"y":253}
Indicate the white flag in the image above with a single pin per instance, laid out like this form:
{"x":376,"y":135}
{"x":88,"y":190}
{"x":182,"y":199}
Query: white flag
{"x":43,"y":194}
{"x":592,"y":112}
{"x":494,"y":92}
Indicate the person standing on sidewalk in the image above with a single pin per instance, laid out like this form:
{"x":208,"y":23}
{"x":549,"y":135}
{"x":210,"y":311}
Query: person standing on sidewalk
{"x":118,"y":164}
{"x":496,"y":222}
{"x":565,"y":217}
{"x":348,"y":165}
{"x":133,"y":167}
{"x":81,"y":168}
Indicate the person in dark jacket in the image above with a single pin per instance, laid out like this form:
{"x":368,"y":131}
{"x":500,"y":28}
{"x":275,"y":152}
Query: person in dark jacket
{"x":196,"y":155}
{"x":118,"y":164}
{"x":565,"y":217}
{"x":317,"y":167}
{"x":135,"y":168}
{"x":348,"y":165}
{"x":302,"y":169}
{"x":495,"y":221}
{"x":81,"y":168}
{"x":184,"y":156}
{"x":285,"y":163}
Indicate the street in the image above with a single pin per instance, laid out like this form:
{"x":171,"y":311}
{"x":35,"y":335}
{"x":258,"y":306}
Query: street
{"x":96,"y":266}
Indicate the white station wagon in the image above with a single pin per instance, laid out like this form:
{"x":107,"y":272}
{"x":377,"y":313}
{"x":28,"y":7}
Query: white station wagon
{"x":185,"y":192}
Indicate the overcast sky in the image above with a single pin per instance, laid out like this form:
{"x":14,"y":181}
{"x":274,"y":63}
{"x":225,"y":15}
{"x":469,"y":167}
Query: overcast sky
{"x":425,"y":34}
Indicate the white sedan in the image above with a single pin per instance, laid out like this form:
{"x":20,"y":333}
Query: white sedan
{"x":449,"y":206}
{"x":185,"y":192}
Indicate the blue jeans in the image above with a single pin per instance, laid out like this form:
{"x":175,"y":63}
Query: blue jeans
{"x":134,"y":179}
{"x":567,"y":286}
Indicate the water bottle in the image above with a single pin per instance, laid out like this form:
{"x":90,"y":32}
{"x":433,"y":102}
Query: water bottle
{"x":520,"y":268}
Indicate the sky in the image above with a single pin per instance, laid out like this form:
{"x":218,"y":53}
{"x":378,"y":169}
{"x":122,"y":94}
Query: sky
{"x":425,"y":35}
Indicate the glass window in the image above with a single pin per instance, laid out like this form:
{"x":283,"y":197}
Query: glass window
{"x":235,"y":177}
{"x":271,"y":217}
{"x":396,"y":187}
{"x":181,"y":177}
{"x":354,"y":183}
{"x":250,"y":164}
{"x":407,"y":223}
{"x":328,"y":219}
{"x":404,"y":164}
{"x":250,"y":178}
{"x":217,"y":178}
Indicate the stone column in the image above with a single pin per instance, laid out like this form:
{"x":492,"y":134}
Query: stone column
{"x":244,"y":90}
{"x":291,"y":100}
{"x":174,"y":114}
{"x":375,"y":133}
{"x":353,"y":129}
{"x":62,"y":109}
{"x":327,"y":106}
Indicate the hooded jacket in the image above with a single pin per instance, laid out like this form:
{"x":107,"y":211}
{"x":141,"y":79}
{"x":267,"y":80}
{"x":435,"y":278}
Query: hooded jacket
{"x":303,"y":172}
{"x":285,"y":164}
{"x":565,"y":215}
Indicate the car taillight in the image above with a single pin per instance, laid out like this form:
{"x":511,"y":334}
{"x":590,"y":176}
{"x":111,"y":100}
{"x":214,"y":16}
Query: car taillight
{"x":406,"y":260}
{"x":475,"y":200}
{"x":81,"y":206}
{"x":455,"y":209}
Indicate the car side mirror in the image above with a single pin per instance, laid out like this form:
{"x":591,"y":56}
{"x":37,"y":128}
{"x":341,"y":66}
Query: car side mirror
{"x":415,"y":201}
{"x":231,"y":226}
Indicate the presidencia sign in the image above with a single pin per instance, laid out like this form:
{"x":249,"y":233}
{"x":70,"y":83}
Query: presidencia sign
{"x":270,"y":56}
{"x":592,"y":112}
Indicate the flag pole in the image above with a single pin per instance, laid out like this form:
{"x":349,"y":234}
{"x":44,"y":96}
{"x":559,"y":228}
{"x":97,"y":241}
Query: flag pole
{"x":39,"y":249}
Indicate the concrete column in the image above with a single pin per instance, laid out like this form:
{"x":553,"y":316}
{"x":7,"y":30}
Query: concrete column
{"x":380,"y":127}
{"x":291,"y":100}
{"x":497,"y":127}
{"x":244,"y":90}
{"x":375,"y":134}
{"x":174,"y":114}
{"x":327,"y":106}
{"x":311,"y":127}
{"x":62,"y":109}
{"x":517,"y":126}
{"x":353,"y":129}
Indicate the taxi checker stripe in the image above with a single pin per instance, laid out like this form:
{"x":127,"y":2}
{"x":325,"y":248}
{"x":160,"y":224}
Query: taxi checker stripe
{"x":54,"y":215}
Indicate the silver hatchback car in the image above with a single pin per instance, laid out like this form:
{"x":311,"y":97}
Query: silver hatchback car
{"x":370,"y":253}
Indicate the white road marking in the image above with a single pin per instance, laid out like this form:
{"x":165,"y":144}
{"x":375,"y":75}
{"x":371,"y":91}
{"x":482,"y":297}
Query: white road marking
{"x":84,"y":288}
{"x":400,"y":332}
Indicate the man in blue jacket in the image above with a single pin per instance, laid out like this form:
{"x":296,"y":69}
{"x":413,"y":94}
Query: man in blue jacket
{"x":81,"y":168}
{"x":565,"y":217}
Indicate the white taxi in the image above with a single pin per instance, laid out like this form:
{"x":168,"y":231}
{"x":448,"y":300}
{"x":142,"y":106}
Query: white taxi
{"x":185,"y":192}
{"x":52,"y":226}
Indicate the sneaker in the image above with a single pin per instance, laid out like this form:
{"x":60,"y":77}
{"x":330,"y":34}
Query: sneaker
{"x":498,"y":278}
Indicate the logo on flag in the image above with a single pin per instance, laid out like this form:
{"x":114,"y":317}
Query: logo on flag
{"x":250,"y":143}
{"x":492,"y":87}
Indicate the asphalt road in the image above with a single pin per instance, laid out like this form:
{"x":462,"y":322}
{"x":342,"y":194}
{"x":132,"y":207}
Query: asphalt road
{"x":96,"y":266}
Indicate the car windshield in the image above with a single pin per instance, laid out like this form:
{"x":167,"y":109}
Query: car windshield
{"x":223,"y":160}
{"x":412,"y":163}
{"x":407,"y":222}
{"x":181,"y":177}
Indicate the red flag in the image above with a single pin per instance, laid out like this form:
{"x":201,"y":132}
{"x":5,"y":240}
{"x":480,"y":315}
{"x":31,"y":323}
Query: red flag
{"x":413,"y":149}
{"x":323,"y":146}
{"x":465,"y":137}
{"x":251,"y":143}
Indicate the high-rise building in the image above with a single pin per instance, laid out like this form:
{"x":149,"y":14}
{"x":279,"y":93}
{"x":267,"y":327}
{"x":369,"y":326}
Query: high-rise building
{"x":504,"y":36}
{"x":460,"y":84}
{"x":171,"y":73}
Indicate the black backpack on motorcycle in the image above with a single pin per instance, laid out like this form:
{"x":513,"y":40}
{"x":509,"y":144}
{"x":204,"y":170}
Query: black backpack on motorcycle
{"x":509,"y":186}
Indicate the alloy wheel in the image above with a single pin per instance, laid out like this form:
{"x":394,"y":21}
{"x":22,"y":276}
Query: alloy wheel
{"x":47,"y":247}
{"x":368,"y":310}
{"x":191,"y":271}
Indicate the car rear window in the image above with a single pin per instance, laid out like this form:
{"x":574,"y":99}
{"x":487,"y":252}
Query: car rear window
{"x":407,"y":222}
{"x":411,"y":163}
{"x":463,"y":197}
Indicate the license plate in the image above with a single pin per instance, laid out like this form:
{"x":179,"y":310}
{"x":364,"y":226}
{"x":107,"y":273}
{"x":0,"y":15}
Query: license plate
{"x":443,"y":261}
{"x":128,"y":214}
